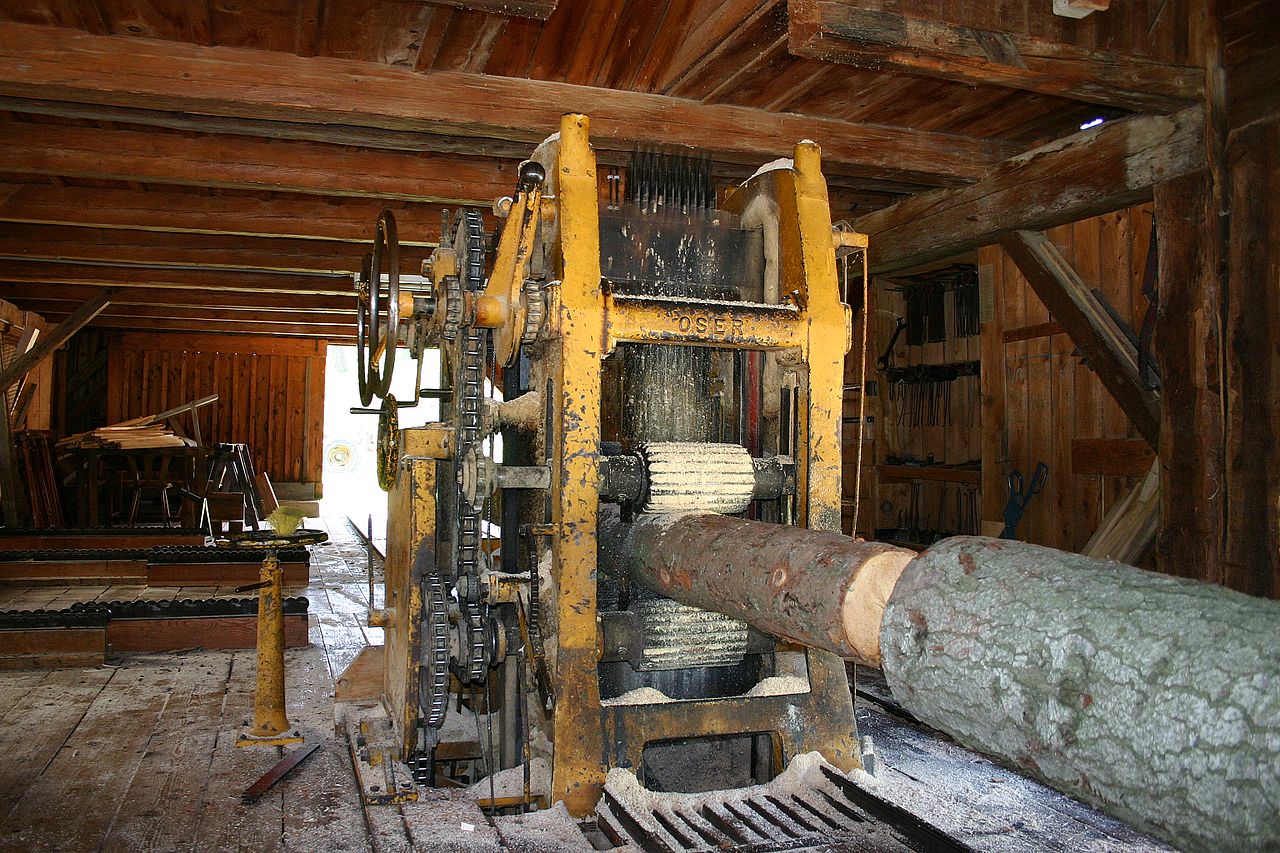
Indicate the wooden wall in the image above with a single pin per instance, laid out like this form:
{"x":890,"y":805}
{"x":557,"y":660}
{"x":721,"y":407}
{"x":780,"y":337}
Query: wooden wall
{"x":271,"y":392}
{"x":1042,"y":402}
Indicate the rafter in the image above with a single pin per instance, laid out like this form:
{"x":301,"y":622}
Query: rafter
{"x":61,"y":65}
{"x":158,"y":296}
{"x":840,"y":31}
{"x":41,"y":272}
{"x":251,"y":164}
{"x":186,"y":251}
{"x":297,"y":216}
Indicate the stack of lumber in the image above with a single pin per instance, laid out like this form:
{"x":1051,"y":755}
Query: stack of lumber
{"x":127,"y":436}
{"x":156,"y":430}
{"x":1130,"y":528}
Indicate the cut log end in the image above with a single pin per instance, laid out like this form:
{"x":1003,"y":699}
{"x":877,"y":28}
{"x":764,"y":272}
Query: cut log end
{"x":862,"y":611}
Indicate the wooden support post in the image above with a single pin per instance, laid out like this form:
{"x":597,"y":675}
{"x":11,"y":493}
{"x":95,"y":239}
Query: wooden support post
{"x":1187,"y":344}
{"x":1089,"y":326}
{"x":1252,"y":445}
{"x":55,"y":338}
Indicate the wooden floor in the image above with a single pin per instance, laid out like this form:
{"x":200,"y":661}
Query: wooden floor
{"x":140,"y":755}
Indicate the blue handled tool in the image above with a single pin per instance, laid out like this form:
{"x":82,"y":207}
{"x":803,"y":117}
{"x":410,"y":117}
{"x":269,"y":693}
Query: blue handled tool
{"x":1020,"y":497}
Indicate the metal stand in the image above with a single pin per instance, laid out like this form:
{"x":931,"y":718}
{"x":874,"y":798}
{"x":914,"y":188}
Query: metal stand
{"x":270,"y":723}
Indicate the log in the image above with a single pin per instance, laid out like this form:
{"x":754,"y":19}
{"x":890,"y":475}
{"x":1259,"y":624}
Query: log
{"x":844,"y":31}
{"x":1154,"y":698}
{"x":817,"y":588}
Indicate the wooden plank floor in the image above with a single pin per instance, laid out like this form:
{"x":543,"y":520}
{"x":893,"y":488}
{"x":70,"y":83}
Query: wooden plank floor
{"x":140,"y":755}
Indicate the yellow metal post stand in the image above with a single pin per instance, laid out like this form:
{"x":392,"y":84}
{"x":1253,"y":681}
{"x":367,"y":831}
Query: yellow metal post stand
{"x":270,"y":723}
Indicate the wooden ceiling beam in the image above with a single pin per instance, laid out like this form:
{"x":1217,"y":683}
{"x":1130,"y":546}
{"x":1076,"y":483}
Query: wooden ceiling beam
{"x":294,"y":216}
{"x":367,"y":137}
{"x":247,"y":316}
{"x":64,"y":65}
{"x":159,"y":250}
{"x":251,"y":164}
{"x":223,"y":300}
{"x":840,"y":31}
{"x":537,"y":9}
{"x":41,"y":272}
{"x":1092,"y":172}
{"x":337,"y":333}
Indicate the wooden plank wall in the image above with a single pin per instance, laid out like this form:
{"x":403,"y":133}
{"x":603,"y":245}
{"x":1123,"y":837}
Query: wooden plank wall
{"x":1039,"y":398}
{"x":271,"y":392}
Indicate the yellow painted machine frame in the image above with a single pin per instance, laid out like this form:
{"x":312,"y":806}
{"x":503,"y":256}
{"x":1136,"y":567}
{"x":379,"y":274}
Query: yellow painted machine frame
{"x":810,"y":332}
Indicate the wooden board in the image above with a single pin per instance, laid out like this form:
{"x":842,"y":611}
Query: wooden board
{"x":220,"y":574}
{"x":212,"y":632}
{"x":25,"y":572}
{"x":53,"y":648}
{"x":106,"y":538}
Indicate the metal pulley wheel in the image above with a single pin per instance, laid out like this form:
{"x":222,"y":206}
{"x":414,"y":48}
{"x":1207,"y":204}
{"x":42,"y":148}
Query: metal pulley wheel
{"x":378,"y":313}
{"x":388,"y":443}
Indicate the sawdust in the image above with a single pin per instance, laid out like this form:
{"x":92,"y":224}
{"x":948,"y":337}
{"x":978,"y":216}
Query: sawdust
{"x":546,"y":830}
{"x":510,"y":782}
{"x":774,"y":166}
{"x":803,"y":773}
{"x":639,"y":696}
{"x":780,"y":685}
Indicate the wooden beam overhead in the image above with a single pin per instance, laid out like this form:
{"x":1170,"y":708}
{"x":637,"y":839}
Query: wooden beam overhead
{"x":840,"y":31}
{"x":189,"y":251}
{"x":222,"y":300}
{"x":1090,"y":327}
{"x":251,"y":164}
{"x":296,"y":216}
{"x":342,"y":333}
{"x":64,"y":65}
{"x":537,"y":9}
{"x":41,"y":272}
{"x":1091,"y":172}
{"x":213,"y":314}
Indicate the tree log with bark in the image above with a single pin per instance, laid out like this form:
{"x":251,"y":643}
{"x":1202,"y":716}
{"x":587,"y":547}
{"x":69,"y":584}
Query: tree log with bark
{"x":1153,"y":697}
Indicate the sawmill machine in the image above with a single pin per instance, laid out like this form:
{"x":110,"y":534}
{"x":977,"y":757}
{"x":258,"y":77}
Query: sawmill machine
{"x":640,"y":349}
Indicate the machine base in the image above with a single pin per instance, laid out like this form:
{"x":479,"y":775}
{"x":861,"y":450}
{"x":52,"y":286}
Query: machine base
{"x":246,"y":738}
{"x":383,"y":778}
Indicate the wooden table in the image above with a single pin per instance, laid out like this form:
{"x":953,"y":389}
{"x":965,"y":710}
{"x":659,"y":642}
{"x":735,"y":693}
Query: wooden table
{"x":96,"y":467}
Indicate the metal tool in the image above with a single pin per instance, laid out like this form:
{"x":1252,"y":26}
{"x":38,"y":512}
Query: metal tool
{"x":1020,"y":497}
{"x":885,"y":360}
{"x":282,"y":768}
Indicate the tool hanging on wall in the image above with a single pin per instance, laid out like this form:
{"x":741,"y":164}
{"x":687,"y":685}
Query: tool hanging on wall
{"x":922,"y":392}
{"x":926,"y":304}
{"x":1020,"y":496}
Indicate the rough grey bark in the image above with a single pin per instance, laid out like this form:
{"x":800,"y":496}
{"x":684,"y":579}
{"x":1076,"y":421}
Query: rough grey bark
{"x":1152,"y":697}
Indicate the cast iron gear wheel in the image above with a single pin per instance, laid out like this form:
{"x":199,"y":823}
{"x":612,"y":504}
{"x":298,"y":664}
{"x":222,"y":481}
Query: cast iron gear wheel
{"x":452,"y":308}
{"x":388,"y":443}
{"x":535,"y":306}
